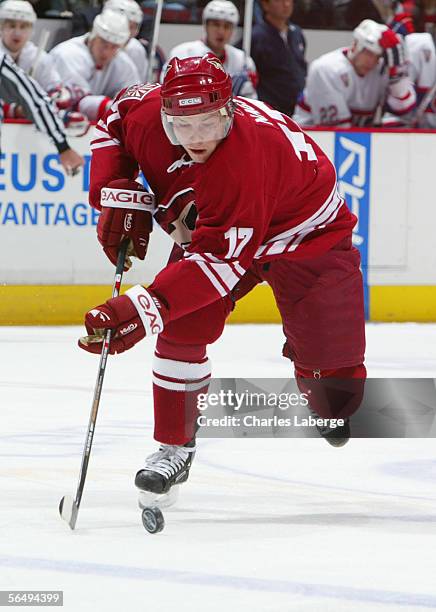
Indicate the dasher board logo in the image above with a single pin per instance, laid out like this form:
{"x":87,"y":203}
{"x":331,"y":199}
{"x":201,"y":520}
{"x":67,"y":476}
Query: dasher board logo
{"x":353,"y":167}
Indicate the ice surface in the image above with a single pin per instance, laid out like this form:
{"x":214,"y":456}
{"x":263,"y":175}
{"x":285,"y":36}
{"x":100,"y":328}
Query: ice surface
{"x":262,"y":525}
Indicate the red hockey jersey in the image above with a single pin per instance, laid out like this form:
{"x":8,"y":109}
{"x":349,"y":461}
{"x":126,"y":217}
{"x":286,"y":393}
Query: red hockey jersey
{"x":267,"y":191}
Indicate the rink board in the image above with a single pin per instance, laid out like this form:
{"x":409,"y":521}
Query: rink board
{"x":52,"y":268}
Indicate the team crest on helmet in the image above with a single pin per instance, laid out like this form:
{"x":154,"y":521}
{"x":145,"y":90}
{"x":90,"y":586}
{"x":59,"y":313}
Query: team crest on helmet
{"x":216,"y":63}
{"x":167,"y":69}
{"x":345,"y":79}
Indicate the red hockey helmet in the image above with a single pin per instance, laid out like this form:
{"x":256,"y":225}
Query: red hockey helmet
{"x":197,"y":103}
{"x":195,"y":85}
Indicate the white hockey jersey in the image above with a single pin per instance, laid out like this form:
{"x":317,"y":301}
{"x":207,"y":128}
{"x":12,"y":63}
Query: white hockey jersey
{"x":241,"y":69}
{"x":77,"y":68}
{"x":421,"y":58}
{"x":44,"y":71}
{"x":138,"y":55}
{"x":336,"y":95}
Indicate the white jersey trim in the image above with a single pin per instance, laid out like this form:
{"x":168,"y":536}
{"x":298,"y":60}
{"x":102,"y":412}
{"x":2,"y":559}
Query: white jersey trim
{"x":291,"y":238}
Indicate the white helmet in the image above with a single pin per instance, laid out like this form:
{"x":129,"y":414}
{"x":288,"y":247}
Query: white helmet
{"x":112,"y":27}
{"x":17,"y":10}
{"x":129,"y":8}
{"x":223,"y":10}
{"x":367,"y":36}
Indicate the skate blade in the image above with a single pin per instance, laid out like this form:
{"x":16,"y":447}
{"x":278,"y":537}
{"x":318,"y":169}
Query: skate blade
{"x":147,"y":499}
{"x":68,"y":510}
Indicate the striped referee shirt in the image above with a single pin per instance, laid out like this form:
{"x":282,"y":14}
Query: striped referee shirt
{"x":16,"y":86}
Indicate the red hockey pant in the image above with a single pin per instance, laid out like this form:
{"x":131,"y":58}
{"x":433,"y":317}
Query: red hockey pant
{"x":321,"y":305}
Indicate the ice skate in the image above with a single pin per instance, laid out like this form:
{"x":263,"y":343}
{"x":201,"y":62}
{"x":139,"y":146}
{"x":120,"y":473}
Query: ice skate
{"x":336,"y":436}
{"x":164,"y":469}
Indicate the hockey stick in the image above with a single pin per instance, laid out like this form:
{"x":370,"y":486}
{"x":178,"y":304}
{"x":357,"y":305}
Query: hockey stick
{"x":248,"y":25}
{"x":157,"y":18}
{"x":69,"y":507}
{"x":42,"y":45}
{"x":240,"y":78}
{"x":420,"y":111}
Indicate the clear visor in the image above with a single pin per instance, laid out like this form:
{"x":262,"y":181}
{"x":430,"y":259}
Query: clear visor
{"x":196,"y":129}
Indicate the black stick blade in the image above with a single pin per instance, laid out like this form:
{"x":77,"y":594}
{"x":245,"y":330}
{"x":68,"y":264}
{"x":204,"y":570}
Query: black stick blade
{"x":68,"y":510}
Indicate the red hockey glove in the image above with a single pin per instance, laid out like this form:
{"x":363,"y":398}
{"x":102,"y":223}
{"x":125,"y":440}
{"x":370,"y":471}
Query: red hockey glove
{"x":402,"y":23}
{"x":393,"y":54}
{"x":62,"y":97}
{"x":126,"y":213}
{"x":132,"y":316}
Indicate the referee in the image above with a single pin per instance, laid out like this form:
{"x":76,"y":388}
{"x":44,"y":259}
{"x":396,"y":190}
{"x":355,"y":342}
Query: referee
{"x":16,"y":86}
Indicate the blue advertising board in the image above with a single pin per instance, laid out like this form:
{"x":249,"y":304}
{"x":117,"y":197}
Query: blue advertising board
{"x":353,"y":167}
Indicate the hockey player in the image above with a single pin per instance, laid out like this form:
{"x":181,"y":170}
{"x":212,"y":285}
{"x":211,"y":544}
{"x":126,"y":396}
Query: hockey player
{"x":93,"y":65}
{"x":17,"y":87}
{"x":220,"y":18}
{"x":17,"y":18}
{"x":421,"y":62}
{"x":348,"y":86}
{"x":134,"y":48}
{"x":251,"y":198}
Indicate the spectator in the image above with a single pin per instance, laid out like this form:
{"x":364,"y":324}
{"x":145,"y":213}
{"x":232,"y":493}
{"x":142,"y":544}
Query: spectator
{"x":313,"y":14}
{"x":349,"y":13}
{"x":94,"y":66}
{"x":220,"y":18}
{"x":278,"y":49}
{"x":83,"y":18}
{"x":349,"y":86}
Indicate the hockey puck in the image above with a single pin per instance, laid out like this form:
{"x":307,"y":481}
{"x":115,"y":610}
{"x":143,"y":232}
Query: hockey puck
{"x":153,"y":520}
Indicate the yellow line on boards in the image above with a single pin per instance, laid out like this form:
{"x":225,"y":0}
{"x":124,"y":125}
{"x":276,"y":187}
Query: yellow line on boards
{"x":66,"y":304}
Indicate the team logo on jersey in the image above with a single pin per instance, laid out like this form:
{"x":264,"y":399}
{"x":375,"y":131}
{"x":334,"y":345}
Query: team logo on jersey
{"x":345,"y":79}
{"x":138,"y":92}
{"x":215,"y":62}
